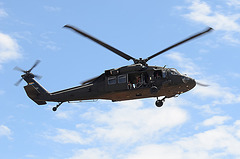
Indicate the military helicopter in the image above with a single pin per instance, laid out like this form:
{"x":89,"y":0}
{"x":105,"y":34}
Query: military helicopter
{"x":135,"y":81}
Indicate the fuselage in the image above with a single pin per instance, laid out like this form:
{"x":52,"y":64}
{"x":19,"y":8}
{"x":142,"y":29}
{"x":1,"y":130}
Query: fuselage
{"x":126,"y":83}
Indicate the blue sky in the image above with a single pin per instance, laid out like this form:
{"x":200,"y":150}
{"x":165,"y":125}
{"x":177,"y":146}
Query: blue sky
{"x":203,"y":123}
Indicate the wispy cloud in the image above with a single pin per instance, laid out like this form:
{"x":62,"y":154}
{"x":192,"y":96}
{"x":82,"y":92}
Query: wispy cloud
{"x":5,"y":131}
{"x":124,"y":124}
{"x":47,"y":43}
{"x":219,"y":94}
{"x":92,"y":153}
{"x":65,"y":136}
{"x":51,"y":45}
{"x":202,"y":12}
{"x":9,"y":49}
{"x":231,"y":38}
{"x":188,"y":66}
{"x":220,"y":17}
{"x":234,"y":3}
{"x":215,"y":93}
{"x":215,"y":120}
{"x":220,"y":142}
{"x":128,"y":123}
{"x":52,"y":9}
{"x":3,"y":13}
{"x":2,"y":92}
{"x":140,"y":128}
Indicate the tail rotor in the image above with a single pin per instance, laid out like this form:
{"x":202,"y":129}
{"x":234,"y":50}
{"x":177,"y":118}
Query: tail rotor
{"x":27,"y":73}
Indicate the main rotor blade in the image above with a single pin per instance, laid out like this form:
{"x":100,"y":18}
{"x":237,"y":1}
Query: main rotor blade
{"x":179,"y":43}
{"x":36,"y":63}
{"x":116,"y":51}
{"x":89,"y":80}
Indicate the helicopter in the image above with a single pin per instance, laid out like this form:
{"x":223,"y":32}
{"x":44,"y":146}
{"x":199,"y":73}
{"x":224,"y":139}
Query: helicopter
{"x":135,"y":81}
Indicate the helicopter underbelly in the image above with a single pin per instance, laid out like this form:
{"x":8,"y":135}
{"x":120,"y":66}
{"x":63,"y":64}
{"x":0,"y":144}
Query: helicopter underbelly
{"x":140,"y":93}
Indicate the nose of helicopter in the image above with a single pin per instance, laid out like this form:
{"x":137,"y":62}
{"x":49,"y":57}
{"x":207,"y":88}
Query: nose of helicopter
{"x":189,"y":82}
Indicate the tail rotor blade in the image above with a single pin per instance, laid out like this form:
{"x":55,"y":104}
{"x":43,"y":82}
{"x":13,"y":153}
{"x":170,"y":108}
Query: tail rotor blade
{"x":19,"y":69}
{"x":27,"y":74}
{"x":37,"y":77}
{"x":36,"y":63}
{"x":18,"y":82}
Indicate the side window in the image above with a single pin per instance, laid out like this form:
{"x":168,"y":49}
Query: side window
{"x":157,"y":74}
{"x":112,"y":80}
{"x":164,"y":74}
{"x":122,"y":79}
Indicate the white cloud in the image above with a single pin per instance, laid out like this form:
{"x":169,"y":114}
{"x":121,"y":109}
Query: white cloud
{"x":215,"y":120}
{"x":52,"y":9}
{"x":221,"y":17}
{"x":47,"y":43}
{"x":9,"y":49}
{"x":92,"y":153}
{"x":234,"y":74}
{"x":2,"y":92}
{"x":188,"y":66}
{"x":5,"y":131}
{"x":219,"y":94}
{"x":220,"y":142}
{"x":64,"y":114}
{"x":3,"y":13}
{"x":130,"y":122}
{"x":231,"y":39}
{"x":143,"y":130}
{"x":201,"y":12}
{"x":127,"y":123}
{"x":234,"y":3}
{"x":155,"y":151}
{"x":24,"y":35}
{"x":67,"y":136}
{"x":30,"y":156}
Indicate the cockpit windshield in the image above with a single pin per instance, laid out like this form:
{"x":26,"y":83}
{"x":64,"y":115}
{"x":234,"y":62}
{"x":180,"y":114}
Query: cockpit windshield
{"x":174,"y":71}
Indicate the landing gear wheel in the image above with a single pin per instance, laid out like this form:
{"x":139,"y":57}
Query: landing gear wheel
{"x":54,"y":109}
{"x":159,"y":103}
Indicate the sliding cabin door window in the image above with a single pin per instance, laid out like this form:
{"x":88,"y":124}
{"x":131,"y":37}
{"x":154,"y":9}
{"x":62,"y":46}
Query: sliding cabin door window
{"x":122,"y":79}
{"x":112,"y":80}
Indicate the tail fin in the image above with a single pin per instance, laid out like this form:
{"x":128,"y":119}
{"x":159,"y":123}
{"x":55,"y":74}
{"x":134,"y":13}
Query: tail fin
{"x":36,"y":92}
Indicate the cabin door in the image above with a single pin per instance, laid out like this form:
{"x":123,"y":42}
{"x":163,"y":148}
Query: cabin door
{"x":117,"y":83}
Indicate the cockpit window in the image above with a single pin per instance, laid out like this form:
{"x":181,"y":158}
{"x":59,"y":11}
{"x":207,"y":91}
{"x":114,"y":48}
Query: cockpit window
{"x":174,"y":71}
